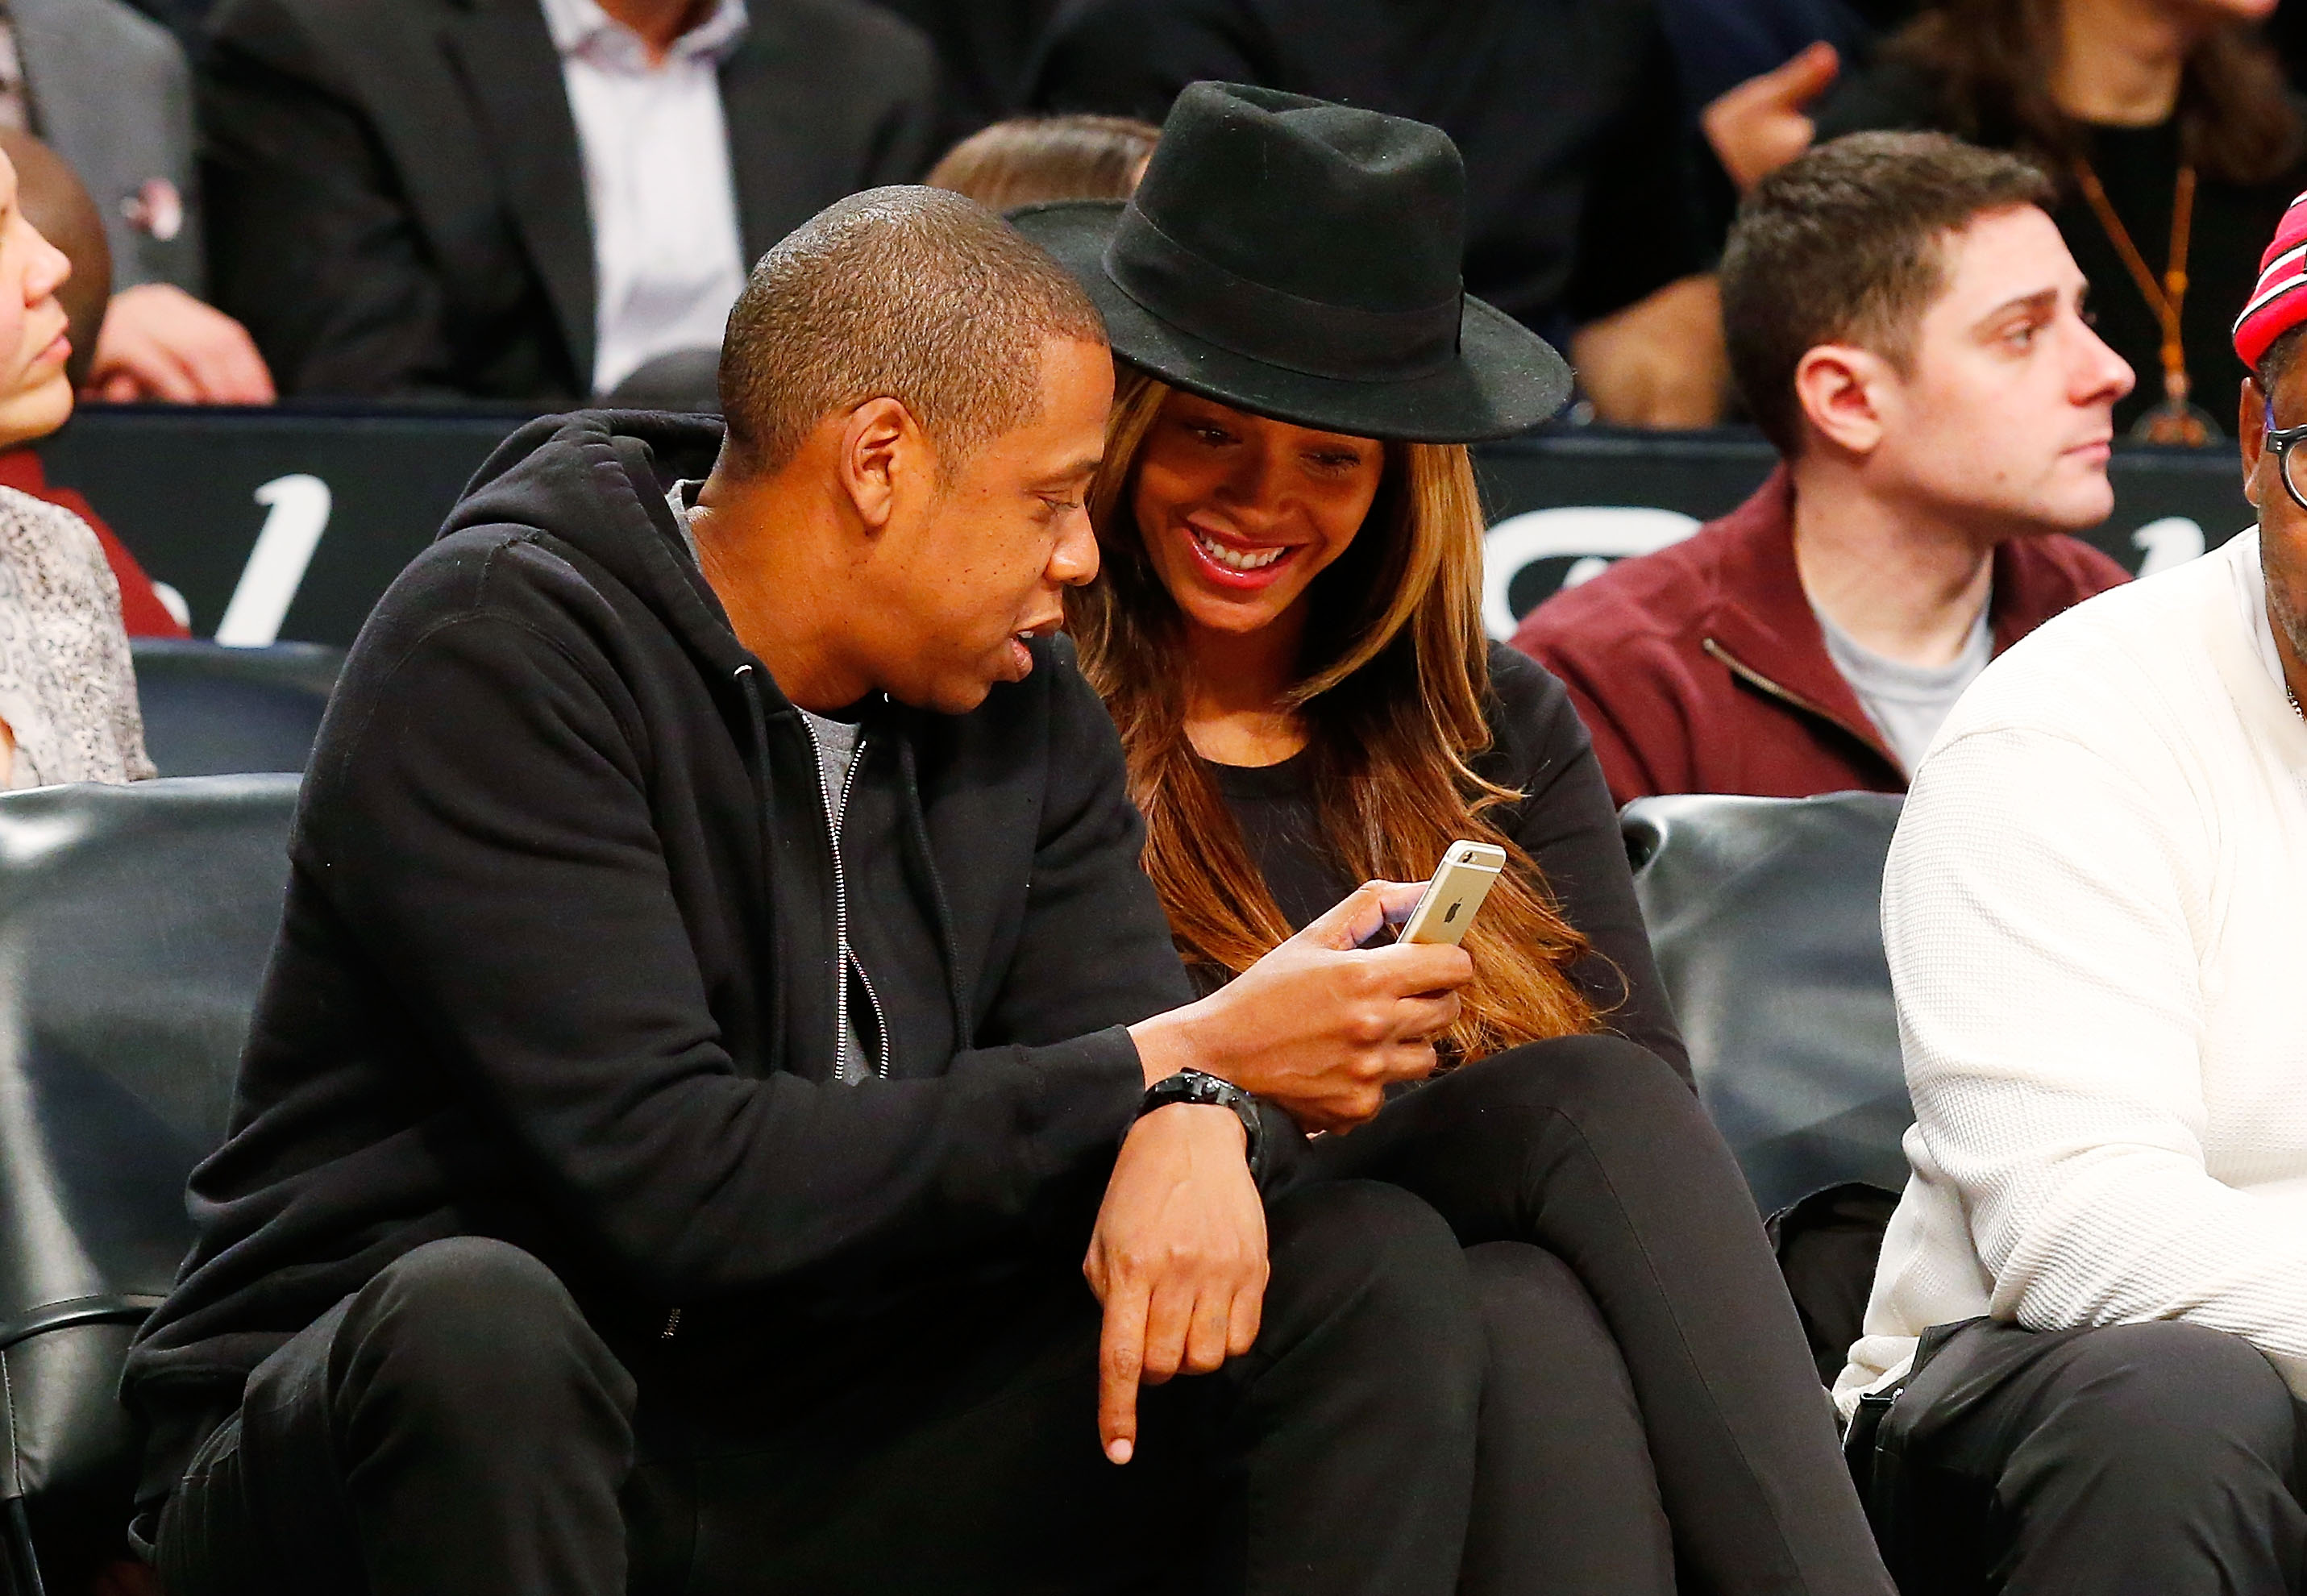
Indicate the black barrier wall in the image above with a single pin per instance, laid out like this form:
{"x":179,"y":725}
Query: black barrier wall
{"x":288,"y":524}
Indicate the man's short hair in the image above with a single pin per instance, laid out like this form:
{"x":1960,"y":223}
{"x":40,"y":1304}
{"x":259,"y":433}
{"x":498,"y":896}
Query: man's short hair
{"x":2276,"y":364}
{"x":1847,"y":245}
{"x":910,"y":294}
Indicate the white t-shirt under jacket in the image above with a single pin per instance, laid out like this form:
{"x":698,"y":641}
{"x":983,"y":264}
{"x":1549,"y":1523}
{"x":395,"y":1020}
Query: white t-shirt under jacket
{"x":2096,"y":912}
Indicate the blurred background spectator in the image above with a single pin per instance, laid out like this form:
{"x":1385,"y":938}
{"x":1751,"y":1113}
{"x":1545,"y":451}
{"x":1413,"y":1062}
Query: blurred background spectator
{"x":63,"y":211}
{"x":1580,"y":188}
{"x":2167,"y":125}
{"x":985,"y":46}
{"x":109,"y":90}
{"x":1758,"y":125}
{"x":510,"y":198}
{"x":60,"y":209}
{"x":1723,"y":47}
{"x":1028,"y":159}
{"x":68,"y":706}
{"x":1907,"y":327}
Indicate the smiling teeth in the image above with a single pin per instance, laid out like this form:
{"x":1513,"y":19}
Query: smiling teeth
{"x":1235,"y":562}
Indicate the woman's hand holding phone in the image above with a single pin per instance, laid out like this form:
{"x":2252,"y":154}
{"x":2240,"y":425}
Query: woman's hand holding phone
{"x":1322,"y":1025}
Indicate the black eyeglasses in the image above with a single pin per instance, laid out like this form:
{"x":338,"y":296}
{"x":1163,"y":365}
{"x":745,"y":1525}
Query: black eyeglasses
{"x":2281,"y":443}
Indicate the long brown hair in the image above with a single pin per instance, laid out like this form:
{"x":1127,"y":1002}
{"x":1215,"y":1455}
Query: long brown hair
{"x":1391,"y":693}
{"x":1994,"y":59}
{"x":1027,"y":159}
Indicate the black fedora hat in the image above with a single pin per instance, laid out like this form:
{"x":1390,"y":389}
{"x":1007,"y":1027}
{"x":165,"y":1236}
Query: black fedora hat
{"x":1299,"y":259}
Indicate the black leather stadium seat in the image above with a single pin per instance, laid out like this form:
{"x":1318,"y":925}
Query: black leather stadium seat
{"x":1765,"y":916}
{"x":210,"y":710}
{"x":134,"y":925}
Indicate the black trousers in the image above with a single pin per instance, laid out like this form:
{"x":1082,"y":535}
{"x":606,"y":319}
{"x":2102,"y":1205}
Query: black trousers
{"x":2138,"y":1460}
{"x":1650,"y":1399}
{"x":457,"y":1426}
{"x":1600,"y":1295}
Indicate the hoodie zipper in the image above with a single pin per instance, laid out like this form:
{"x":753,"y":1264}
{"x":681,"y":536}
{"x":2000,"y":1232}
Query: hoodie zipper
{"x":843,"y":961}
{"x":836,"y":812}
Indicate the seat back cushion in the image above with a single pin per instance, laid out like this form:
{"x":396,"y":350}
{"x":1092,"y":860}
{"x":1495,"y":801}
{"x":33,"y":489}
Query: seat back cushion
{"x":210,"y":710}
{"x":1765,"y":915}
{"x":136,"y":923}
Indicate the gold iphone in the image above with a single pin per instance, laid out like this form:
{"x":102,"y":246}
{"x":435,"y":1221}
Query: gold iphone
{"x":1454,"y":896}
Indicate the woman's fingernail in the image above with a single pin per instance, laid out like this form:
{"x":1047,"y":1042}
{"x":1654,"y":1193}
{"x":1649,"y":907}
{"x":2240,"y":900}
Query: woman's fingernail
{"x":1120,"y":1452}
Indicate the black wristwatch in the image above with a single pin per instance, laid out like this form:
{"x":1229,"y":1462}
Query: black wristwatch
{"x":1193,"y":1086}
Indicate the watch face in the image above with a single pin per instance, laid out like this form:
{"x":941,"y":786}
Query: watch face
{"x":1194,"y":1086}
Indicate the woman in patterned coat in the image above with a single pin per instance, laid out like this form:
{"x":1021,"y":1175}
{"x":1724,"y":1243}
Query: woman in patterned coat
{"x":68,"y":706}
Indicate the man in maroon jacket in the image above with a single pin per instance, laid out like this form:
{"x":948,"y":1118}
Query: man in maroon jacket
{"x":1906,"y":326}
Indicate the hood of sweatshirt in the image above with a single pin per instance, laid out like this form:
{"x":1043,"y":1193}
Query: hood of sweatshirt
{"x":596,"y":480}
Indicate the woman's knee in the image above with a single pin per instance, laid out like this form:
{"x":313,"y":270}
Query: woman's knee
{"x":1370,"y":1232}
{"x":1584,"y":1072}
{"x":1601,"y":1085}
{"x":1371,"y":1255}
{"x":1538,"y":1315}
{"x":1517,"y":1282}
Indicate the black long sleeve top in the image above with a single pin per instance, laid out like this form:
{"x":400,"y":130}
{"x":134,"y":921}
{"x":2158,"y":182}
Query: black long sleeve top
{"x":1564,"y":822}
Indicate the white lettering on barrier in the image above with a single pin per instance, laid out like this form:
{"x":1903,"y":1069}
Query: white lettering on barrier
{"x":297,"y":514}
{"x":1593,"y":535}
{"x":2171,"y":541}
{"x":173,"y":603}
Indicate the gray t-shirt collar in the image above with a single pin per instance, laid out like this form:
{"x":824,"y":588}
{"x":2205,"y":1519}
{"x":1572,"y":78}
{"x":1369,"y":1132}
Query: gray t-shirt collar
{"x":1908,"y":703}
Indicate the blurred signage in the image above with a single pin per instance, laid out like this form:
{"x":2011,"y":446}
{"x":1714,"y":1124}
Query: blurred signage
{"x":288,"y":523}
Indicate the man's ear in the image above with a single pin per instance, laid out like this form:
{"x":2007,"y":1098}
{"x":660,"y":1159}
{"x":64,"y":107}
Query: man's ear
{"x":2250,"y":431}
{"x":881,"y":444}
{"x":1839,"y":389}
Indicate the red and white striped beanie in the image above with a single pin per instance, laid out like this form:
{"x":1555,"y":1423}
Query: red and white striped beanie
{"x":2280,"y":302}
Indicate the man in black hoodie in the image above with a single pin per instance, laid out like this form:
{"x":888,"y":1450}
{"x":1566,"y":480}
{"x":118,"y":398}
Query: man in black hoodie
{"x":714,"y":982}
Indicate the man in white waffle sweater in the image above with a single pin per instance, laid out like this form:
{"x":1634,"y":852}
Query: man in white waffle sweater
{"x":2096,"y":911}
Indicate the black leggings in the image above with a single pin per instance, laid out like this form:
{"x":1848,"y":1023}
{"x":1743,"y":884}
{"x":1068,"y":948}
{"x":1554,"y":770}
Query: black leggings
{"x":1649,"y":1392}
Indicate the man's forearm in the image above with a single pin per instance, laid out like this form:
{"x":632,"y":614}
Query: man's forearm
{"x":1659,"y":362}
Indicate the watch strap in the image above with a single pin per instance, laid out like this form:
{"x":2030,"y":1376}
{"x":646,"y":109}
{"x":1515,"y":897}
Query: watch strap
{"x":1201,"y":1088}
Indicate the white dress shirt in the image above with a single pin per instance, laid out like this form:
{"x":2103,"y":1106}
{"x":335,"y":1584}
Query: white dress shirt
{"x":668,"y":255}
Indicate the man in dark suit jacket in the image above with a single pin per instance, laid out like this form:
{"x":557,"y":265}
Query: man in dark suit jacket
{"x":109,"y":91}
{"x":1580,"y":198}
{"x":397,"y":192}
{"x":986,"y":46}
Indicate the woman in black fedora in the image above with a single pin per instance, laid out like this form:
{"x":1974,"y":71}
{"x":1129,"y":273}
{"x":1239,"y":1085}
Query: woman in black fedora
{"x":1287,"y":629}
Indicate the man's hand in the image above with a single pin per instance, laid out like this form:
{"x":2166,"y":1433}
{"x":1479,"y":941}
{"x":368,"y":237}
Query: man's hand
{"x":1321,"y":1025}
{"x":157,"y":342}
{"x":1178,"y":1259}
{"x":1660,"y":362}
{"x":1760,"y":125}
